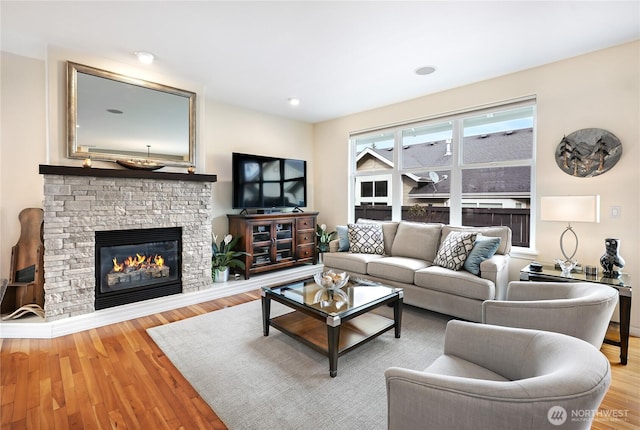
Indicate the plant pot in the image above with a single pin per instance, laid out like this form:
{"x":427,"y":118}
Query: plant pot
{"x":221,"y":275}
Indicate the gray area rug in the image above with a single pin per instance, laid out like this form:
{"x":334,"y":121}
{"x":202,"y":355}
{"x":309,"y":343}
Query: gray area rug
{"x":275,"y":382}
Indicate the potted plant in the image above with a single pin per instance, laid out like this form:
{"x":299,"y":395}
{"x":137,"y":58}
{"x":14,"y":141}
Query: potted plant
{"x":417,"y":212}
{"x":224,"y":257}
{"x":324,"y":237}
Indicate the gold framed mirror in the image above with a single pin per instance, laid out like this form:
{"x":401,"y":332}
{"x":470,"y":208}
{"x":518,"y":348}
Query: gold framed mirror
{"x":113,"y":117}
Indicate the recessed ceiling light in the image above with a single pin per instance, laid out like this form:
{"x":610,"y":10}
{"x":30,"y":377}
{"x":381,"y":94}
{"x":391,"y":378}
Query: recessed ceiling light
{"x":294,"y":101}
{"x":425,"y":70}
{"x":144,"y":57}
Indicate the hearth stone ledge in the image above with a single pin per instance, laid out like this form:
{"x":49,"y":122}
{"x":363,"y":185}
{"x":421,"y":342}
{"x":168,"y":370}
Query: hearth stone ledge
{"x":76,"y":206}
{"x":33,"y":327}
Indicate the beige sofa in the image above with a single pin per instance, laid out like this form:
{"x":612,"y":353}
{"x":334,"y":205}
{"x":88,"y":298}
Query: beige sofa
{"x":407,"y":262}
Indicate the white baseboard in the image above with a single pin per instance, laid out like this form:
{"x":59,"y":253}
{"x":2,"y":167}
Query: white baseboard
{"x":34,"y":327}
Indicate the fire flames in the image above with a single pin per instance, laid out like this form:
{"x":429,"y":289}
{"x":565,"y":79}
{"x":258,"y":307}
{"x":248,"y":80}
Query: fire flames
{"x":136,"y":263}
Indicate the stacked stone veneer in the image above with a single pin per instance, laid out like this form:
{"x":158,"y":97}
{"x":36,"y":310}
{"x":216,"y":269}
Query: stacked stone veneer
{"x":75,"y":207}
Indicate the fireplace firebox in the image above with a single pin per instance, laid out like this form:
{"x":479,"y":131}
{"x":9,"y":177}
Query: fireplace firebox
{"x":136,"y":265}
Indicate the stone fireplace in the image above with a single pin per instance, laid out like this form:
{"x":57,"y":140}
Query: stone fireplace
{"x":82,"y":206}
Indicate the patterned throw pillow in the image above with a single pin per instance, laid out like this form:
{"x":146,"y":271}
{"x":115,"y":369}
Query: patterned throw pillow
{"x":366,"y":239}
{"x":454,"y":250}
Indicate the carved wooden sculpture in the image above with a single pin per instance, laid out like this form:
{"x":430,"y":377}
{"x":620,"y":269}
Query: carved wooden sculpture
{"x":25,"y":292}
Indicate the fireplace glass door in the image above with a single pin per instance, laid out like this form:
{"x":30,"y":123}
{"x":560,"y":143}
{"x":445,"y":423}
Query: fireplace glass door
{"x":134,"y":265}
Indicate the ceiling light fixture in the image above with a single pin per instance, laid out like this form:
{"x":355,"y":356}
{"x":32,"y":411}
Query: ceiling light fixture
{"x":425,"y":70}
{"x":294,"y":101}
{"x":144,"y":57}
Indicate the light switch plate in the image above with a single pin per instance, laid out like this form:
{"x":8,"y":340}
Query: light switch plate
{"x":615,"y":212}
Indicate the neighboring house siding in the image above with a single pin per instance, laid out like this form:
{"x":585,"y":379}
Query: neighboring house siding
{"x":369,"y":162}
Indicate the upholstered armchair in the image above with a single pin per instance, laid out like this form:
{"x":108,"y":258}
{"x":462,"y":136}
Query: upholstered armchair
{"x":493,"y":377}
{"x":579,"y":309}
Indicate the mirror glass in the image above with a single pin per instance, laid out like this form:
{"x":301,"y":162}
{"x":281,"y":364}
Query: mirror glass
{"x":113,"y":117}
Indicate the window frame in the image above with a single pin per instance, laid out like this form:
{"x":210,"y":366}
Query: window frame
{"x":374,"y":199}
{"x":457,"y":166}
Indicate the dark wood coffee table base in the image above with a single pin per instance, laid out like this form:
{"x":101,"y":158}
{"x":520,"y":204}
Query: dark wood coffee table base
{"x":332,"y":336}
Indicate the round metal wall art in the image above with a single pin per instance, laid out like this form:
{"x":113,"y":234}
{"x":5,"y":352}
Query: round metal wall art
{"x":588,"y":152}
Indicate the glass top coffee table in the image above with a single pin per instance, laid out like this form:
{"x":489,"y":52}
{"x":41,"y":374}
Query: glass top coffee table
{"x":333,"y":322}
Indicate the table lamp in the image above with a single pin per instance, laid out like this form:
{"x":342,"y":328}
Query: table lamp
{"x":569,"y":209}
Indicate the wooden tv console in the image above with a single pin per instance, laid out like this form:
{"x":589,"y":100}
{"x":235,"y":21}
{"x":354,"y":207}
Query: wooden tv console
{"x":275,"y":240}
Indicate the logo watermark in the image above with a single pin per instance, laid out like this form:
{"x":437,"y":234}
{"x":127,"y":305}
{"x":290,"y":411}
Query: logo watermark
{"x":557,"y":415}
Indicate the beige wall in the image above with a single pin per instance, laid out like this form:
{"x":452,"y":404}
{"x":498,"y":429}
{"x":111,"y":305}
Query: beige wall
{"x":231,"y":129}
{"x":601,"y":89}
{"x":33,"y":90}
{"x":23,"y":132}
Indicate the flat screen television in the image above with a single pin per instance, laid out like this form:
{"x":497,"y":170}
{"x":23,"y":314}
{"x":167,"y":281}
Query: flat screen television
{"x":261,"y":182}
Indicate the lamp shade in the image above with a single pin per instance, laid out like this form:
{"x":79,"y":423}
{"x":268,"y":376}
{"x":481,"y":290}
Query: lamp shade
{"x":570,"y":208}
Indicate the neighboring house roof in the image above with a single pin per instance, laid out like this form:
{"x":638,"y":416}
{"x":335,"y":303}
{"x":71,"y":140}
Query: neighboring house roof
{"x":370,"y":152}
{"x":429,"y":154}
{"x":512,"y":182}
{"x":427,"y":190}
{"x":503,"y":146}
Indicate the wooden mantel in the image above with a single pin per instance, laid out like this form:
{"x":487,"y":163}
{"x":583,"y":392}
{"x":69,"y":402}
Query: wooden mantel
{"x":124,"y":173}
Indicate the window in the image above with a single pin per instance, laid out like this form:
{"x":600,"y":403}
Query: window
{"x":373,"y":190}
{"x":473,"y":168}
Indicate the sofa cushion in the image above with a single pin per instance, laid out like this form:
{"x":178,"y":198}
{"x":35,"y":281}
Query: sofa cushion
{"x":416,"y":240}
{"x":366,"y":239}
{"x":400,"y":269}
{"x":460,"y":283}
{"x":389,"y":229}
{"x":343,"y":237}
{"x":503,"y":232}
{"x":483,"y":248}
{"x":454,"y":250}
{"x":354,"y":263}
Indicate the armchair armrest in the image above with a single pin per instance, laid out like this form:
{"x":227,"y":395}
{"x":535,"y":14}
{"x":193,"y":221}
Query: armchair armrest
{"x":542,"y":315}
{"x":525,"y":290}
{"x":575,"y":309}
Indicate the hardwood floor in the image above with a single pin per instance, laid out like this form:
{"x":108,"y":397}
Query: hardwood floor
{"x":115,"y":377}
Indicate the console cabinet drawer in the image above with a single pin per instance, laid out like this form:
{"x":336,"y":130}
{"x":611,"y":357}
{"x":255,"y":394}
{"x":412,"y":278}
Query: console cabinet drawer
{"x":306,"y":252}
{"x":306,"y":223}
{"x":305,"y":237}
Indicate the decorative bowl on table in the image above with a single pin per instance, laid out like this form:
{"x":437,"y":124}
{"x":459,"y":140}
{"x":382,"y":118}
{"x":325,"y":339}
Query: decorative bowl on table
{"x":331,"y":280}
{"x":566,"y":266}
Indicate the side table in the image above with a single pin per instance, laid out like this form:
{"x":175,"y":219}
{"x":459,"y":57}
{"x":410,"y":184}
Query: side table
{"x":623,"y":284}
